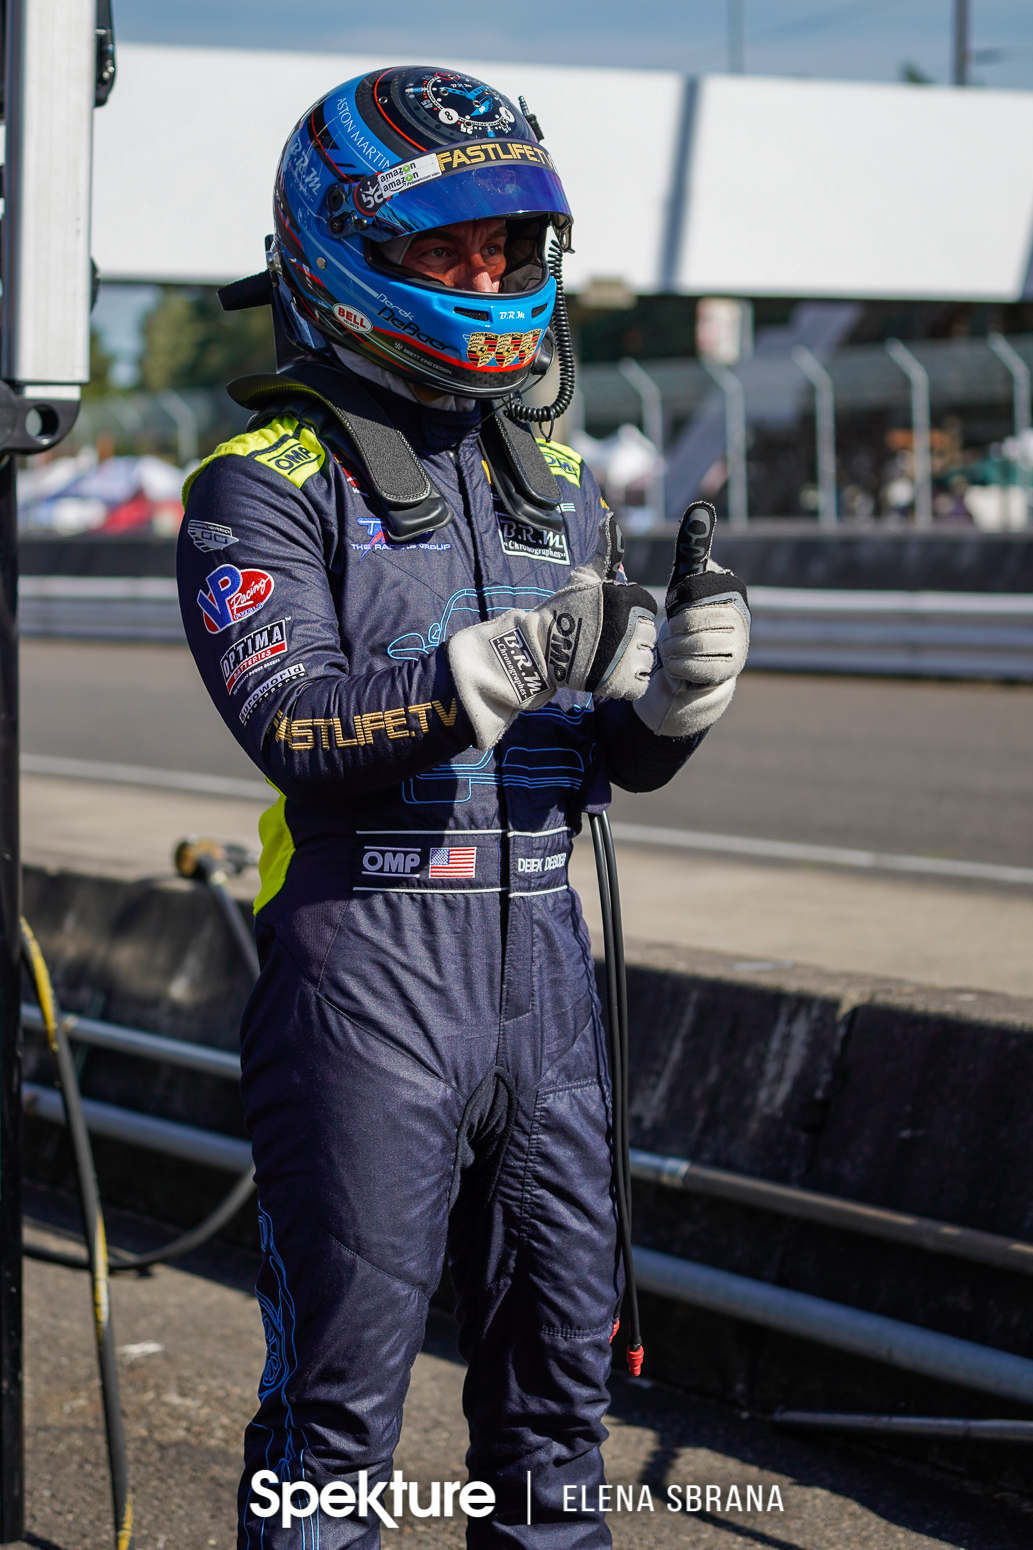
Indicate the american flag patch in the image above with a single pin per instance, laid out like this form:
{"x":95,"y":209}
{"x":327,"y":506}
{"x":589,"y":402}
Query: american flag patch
{"x":453,"y":860}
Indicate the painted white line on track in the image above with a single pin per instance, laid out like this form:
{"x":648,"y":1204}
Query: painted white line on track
{"x":629,"y":833}
{"x":822,"y":855}
{"x":140,"y":775}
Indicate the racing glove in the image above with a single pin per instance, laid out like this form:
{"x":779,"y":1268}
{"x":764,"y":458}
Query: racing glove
{"x":595,"y":633}
{"x":701,"y":647}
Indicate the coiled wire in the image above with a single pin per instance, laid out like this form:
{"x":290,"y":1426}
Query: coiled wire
{"x":538,"y":414}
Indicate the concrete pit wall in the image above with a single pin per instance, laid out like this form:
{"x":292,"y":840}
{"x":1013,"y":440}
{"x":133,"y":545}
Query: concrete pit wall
{"x":878,"y":1091}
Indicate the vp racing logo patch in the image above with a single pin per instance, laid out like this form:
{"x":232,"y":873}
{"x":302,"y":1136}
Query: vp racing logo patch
{"x":251,"y":651}
{"x":233,"y":595}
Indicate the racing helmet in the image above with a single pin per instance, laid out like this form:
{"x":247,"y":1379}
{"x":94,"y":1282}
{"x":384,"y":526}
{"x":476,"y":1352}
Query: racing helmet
{"x":383,"y":158}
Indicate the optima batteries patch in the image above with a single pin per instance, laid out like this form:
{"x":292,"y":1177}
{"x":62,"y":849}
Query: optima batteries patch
{"x":251,"y":650}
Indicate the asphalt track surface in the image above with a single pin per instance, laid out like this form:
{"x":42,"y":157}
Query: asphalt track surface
{"x":191,"y":1346}
{"x":907,"y":766}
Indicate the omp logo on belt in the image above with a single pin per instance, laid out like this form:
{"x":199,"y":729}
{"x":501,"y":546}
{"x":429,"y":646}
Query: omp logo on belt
{"x":406,"y":861}
{"x":393,"y":859}
{"x":251,"y":650}
{"x":518,"y":664}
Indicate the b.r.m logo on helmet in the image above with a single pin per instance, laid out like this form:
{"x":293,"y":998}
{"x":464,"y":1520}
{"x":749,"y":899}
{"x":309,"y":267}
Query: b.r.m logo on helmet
{"x":503,"y":349}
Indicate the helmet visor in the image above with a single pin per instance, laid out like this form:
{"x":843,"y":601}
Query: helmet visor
{"x":466,"y":183}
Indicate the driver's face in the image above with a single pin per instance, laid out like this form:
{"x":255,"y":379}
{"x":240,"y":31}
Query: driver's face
{"x":469,"y":256}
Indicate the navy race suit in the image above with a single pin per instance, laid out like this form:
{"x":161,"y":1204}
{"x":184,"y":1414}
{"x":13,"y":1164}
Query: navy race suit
{"x":423,"y":1066}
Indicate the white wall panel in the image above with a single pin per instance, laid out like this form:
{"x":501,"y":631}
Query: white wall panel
{"x":795,"y":188}
{"x":187,"y":147}
{"x":816,"y":188}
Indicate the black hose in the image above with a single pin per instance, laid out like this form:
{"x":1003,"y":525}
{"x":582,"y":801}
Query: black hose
{"x":617,"y":1021}
{"x":120,"y":1263}
{"x":560,"y":324}
{"x":206,"y":861}
{"x":93,"y":1231}
{"x":215,"y":878}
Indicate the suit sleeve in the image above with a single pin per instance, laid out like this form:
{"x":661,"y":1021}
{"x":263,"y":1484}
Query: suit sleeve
{"x":635,"y":758}
{"x":261,"y":622}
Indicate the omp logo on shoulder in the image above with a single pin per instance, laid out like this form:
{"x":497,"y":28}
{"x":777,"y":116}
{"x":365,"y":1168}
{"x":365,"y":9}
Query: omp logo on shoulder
{"x":563,"y":462}
{"x":518,"y":664}
{"x":251,"y":650}
{"x":289,"y":457}
{"x":378,"y":859}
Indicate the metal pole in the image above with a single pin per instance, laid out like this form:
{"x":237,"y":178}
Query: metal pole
{"x":1020,"y":377}
{"x":736,"y":37}
{"x":653,"y":425}
{"x":735,"y":441}
{"x":871,"y":1335}
{"x":961,"y":50}
{"x":825,"y":432}
{"x":920,"y":429}
{"x":12,"y":1461}
{"x":50,"y":87}
{"x":185,"y":420}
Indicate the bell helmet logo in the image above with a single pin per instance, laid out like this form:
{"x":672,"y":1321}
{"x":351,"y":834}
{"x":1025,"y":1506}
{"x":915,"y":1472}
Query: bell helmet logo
{"x":358,"y":322}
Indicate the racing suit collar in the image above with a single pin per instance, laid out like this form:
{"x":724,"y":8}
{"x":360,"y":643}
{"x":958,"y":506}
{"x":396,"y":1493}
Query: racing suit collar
{"x":428,"y":427}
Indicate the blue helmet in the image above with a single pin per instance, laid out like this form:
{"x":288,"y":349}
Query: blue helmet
{"x":392,"y":154}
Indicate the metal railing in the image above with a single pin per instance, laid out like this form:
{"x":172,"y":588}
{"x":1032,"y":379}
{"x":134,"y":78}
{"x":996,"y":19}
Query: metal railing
{"x":871,"y":1335}
{"x":920,"y":1232}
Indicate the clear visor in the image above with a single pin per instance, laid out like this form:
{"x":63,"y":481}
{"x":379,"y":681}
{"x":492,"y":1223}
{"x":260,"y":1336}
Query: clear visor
{"x":467,"y":183}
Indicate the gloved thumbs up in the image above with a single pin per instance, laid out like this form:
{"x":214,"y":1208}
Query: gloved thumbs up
{"x":595,"y":633}
{"x":703,"y":641}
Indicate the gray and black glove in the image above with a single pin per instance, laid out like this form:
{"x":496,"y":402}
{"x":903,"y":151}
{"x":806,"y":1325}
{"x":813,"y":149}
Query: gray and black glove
{"x":702,"y":646}
{"x":595,"y":633}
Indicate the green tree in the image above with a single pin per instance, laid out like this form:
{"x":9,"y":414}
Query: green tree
{"x":189,"y":342}
{"x":100,"y":369}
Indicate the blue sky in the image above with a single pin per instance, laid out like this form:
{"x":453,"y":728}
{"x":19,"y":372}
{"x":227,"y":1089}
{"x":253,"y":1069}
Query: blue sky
{"x":840,"y":39}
